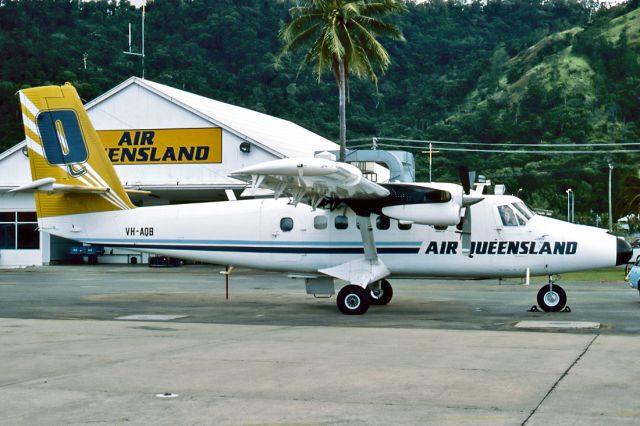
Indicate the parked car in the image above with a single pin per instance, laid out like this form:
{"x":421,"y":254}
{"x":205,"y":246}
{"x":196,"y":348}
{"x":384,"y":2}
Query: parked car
{"x":634,"y":275}
{"x":635,"y":244}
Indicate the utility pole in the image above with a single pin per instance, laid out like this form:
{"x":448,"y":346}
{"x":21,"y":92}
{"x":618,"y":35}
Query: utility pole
{"x":131,"y":52}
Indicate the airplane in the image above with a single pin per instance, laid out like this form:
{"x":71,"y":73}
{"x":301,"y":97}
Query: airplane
{"x":326,"y":221}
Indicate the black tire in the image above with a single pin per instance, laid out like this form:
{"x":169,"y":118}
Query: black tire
{"x":552,"y":300}
{"x":383,"y":296}
{"x":353,"y":300}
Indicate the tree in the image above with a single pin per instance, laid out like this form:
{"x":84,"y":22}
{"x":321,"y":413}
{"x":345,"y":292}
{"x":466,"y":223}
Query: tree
{"x":341,"y":35}
{"x":629,"y":202}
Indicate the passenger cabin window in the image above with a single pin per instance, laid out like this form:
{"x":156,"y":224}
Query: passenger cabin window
{"x":320,"y":222}
{"x":508,"y":216}
{"x":403,"y":226}
{"x":286,"y":224}
{"x":383,"y":223}
{"x":341,"y":222}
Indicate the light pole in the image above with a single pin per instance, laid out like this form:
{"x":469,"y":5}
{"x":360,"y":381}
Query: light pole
{"x":610,"y":210}
{"x":570,"y":204}
{"x":430,"y":152}
{"x":573,"y":207}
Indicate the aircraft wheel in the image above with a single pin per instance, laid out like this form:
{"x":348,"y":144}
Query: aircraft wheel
{"x":382,"y":296}
{"x":353,"y":300}
{"x":552,"y":300}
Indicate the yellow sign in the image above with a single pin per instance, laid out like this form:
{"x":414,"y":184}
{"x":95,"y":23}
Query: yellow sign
{"x":163,"y":146}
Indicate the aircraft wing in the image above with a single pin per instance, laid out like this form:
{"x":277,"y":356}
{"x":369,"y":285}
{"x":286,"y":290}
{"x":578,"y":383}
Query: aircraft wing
{"x":313,"y":179}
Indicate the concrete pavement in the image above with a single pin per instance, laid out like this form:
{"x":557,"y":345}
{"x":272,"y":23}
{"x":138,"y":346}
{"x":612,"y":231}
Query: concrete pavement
{"x":262,"y":360}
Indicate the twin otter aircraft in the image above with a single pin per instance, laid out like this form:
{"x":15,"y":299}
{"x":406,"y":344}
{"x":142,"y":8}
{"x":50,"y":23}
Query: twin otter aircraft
{"x":332,"y":222}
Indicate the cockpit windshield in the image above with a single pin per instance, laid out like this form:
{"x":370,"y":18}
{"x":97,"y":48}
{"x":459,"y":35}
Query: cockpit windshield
{"x":522,"y":208}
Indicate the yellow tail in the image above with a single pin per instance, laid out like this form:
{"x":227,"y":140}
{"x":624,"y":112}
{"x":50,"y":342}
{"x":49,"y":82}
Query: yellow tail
{"x":70,"y":169}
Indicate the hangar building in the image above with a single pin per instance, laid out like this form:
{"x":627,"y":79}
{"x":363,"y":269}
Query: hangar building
{"x":178,"y":145}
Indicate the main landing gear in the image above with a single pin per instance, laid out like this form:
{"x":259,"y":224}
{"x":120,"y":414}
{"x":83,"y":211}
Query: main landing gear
{"x":355,"y":300}
{"x":551,"y":297}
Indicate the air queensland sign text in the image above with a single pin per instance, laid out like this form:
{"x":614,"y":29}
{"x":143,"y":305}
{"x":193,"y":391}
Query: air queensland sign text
{"x":163,"y":146}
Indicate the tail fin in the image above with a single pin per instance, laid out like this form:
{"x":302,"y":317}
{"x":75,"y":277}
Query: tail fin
{"x":70,"y":169}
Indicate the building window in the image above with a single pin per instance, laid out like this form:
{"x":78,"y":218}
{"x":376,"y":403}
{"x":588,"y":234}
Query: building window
{"x":286,"y":224}
{"x":19,"y":230}
{"x":320,"y":222}
{"x":342,"y":222}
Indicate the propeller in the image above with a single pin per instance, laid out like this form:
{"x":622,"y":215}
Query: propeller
{"x":467,"y":178}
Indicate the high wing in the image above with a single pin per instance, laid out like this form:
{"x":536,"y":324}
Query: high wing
{"x":312,"y":179}
{"x":318,"y":179}
{"x":315,"y":180}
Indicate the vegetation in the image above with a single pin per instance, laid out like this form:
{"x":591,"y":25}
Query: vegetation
{"x":342,"y":34}
{"x":538,"y":72}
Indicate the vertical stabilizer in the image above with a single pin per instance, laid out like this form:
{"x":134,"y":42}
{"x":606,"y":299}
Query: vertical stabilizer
{"x":67,"y":156}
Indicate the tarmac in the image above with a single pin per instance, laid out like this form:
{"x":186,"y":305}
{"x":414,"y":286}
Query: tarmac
{"x":442,"y":352}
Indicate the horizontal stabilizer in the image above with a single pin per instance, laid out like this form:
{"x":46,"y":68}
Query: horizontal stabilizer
{"x":49,"y":185}
{"x":359,"y":272}
{"x":137,"y":191}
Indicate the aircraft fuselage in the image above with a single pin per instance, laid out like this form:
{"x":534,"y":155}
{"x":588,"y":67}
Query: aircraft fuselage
{"x":274,"y":235}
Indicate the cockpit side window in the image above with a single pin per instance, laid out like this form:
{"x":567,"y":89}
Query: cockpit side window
{"x":508,"y":216}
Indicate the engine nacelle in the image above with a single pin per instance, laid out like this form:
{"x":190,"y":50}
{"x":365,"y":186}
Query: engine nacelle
{"x":441,"y":214}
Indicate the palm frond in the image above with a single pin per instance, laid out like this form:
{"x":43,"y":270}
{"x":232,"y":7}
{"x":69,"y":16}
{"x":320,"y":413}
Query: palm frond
{"x":333,"y":42}
{"x":382,"y":8}
{"x":376,"y":53}
{"x":380,"y":28}
{"x":297,"y":25}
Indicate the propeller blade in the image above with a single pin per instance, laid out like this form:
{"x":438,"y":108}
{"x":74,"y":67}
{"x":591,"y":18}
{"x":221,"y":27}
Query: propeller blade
{"x":466,"y":232}
{"x":472,"y":179}
{"x":465,"y":179}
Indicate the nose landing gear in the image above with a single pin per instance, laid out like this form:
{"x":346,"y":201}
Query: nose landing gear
{"x":552,"y":297}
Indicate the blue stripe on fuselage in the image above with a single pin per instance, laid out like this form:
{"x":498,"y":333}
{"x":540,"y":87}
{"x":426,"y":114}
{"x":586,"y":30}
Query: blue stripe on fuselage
{"x":310,"y":247}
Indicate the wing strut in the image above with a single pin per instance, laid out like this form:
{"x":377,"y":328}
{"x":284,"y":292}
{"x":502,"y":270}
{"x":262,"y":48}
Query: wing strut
{"x":367,"y":269}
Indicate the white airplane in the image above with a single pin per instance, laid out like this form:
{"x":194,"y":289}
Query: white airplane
{"x":325,"y":222}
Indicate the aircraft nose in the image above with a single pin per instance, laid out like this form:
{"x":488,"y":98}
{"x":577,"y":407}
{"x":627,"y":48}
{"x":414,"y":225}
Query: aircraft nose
{"x":625,"y":251}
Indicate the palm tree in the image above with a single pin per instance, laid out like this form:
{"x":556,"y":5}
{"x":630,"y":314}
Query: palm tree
{"x":629,"y":198}
{"x":341,"y":36}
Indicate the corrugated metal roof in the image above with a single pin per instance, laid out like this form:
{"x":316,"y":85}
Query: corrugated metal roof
{"x":284,"y":137}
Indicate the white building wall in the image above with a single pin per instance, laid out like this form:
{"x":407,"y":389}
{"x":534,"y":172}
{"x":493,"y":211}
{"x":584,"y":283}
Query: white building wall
{"x":14,"y":169}
{"x":135,"y":107}
{"x":16,"y":202}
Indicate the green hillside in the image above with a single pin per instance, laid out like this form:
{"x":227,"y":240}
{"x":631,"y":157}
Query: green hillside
{"x":537,"y":72}
{"x":579,"y":87}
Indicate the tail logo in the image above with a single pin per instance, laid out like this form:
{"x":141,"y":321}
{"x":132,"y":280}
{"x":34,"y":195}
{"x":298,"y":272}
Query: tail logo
{"x":63,"y":141}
